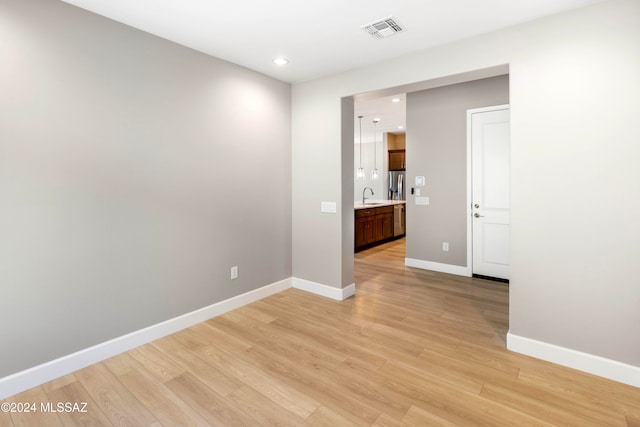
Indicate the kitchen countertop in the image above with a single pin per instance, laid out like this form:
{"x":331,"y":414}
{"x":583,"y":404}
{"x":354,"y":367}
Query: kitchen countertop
{"x":372,"y":203}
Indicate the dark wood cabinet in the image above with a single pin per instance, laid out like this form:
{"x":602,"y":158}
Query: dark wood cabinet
{"x":373,"y":225}
{"x":397,"y":160}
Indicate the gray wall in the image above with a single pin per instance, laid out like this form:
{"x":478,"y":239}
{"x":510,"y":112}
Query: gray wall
{"x":437,"y":150}
{"x":575,"y":235}
{"x":133,"y":174}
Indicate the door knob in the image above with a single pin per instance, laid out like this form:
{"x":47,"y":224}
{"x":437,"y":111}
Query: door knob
{"x":476,"y":206}
{"x":477,"y":215}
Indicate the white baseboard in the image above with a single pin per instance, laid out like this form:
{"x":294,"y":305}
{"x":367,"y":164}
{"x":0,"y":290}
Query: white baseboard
{"x":24,"y":380}
{"x":436,"y":266}
{"x":324,"y":290}
{"x":607,"y":368}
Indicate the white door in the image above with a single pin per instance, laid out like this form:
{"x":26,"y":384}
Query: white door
{"x":490,"y":154}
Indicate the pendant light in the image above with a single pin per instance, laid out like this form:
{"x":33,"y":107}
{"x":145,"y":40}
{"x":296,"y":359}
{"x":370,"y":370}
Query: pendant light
{"x":360,"y":172}
{"x":374,"y":172}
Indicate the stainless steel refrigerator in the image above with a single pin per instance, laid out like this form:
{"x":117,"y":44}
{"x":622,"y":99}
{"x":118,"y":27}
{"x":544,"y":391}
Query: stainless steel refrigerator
{"x":396,"y":186}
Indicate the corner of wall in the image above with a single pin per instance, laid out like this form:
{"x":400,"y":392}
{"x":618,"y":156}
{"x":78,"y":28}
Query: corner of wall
{"x":338,"y":294}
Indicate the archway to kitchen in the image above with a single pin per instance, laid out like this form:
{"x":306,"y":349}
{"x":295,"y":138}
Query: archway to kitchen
{"x":435,"y":177}
{"x":437,"y":167}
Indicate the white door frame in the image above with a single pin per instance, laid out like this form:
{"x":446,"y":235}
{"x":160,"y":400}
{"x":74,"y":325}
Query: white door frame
{"x":469,"y":269}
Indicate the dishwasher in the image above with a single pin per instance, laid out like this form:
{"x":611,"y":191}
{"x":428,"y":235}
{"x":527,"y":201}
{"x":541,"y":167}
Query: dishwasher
{"x":398,"y":220}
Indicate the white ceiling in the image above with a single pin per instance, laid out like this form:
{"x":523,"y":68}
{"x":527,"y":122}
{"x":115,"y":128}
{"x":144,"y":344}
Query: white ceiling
{"x":319,"y":37}
{"x":391,"y":115}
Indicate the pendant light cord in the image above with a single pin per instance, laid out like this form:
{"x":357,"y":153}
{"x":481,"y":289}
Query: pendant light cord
{"x":360,"y":118}
{"x":375,"y":144}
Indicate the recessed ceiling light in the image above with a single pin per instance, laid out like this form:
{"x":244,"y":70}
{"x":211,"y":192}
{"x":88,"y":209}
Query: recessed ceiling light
{"x":395,"y":100}
{"x":280,"y":61}
{"x":400,"y":127}
{"x":376,"y":120}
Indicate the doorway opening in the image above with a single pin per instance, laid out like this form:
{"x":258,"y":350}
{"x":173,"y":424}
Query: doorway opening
{"x":435,"y":175}
{"x":436,"y":194}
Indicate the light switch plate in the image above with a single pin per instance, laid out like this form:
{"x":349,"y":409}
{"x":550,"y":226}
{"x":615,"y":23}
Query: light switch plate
{"x":417,"y":192}
{"x":328,"y":207}
{"x":422,"y":201}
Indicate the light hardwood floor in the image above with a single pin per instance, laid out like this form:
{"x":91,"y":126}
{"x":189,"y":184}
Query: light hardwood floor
{"x":412,"y":347}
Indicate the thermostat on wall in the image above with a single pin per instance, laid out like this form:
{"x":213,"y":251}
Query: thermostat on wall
{"x":420,"y":181}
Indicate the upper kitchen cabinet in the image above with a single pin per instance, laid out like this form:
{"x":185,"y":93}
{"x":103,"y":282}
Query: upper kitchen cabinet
{"x":396,"y":144}
{"x":396,"y":160}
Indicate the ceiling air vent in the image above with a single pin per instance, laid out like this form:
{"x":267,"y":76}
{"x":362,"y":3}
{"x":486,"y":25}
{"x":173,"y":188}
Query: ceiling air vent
{"x":383,"y":28}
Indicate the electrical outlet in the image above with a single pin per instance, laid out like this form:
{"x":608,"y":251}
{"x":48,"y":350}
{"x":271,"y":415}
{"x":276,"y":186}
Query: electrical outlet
{"x":234,"y":272}
{"x":445,"y":246}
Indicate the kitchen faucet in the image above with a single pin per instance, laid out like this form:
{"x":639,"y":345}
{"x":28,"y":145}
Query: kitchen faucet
{"x":365,"y":189}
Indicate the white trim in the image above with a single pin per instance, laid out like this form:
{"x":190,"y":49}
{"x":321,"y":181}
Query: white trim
{"x":24,"y":380}
{"x":436,"y":266}
{"x":470,"y":112}
{"x":348,"y":291}
{"x":324,"y":290}
{"x":48,"y":371}
{"x":607,"y":368}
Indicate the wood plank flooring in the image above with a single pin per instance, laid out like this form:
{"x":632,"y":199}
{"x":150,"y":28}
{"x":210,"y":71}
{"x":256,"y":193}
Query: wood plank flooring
{"x":412,"y":348}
